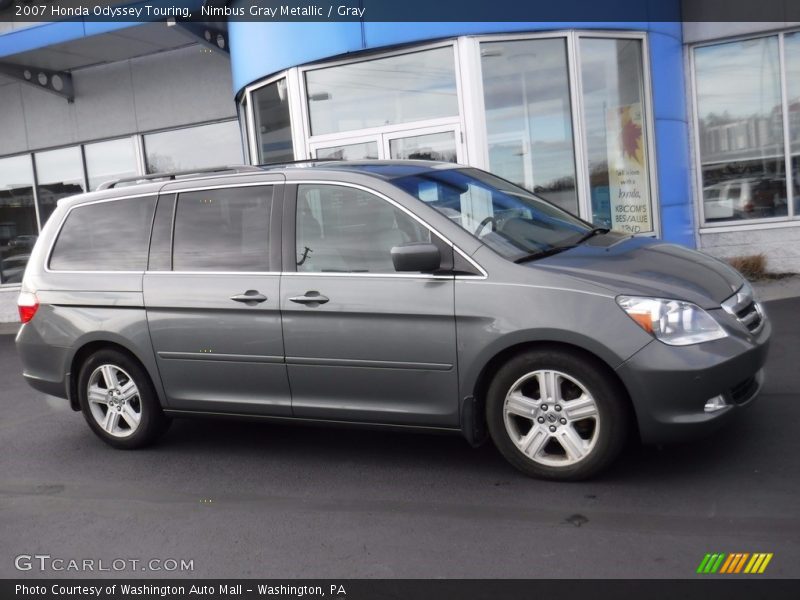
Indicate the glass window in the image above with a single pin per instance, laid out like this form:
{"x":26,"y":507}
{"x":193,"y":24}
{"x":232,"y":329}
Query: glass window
{"x":106,"y":161}
{"x":384,"y":91}
{"x":616,"y":141}
{"x":214,"y":145}
{"x":273,"y":127}
{"x":346,"y":230}
{"x":529,"y":118}
{"x":431,"y":146}
{"x":507,"y":218}
{"x":223,"y":230}
{"x":106,"y":236}
{"x":792,"y":60}
{"x":18,"y":230}
{"x":741,"y":130}
{"x":360,"y":151}
{"x":60,"y":174}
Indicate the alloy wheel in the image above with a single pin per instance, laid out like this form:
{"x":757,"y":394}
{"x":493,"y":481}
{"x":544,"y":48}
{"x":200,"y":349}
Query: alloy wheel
{"x":114,"y":400}
{"x":551,"y":418}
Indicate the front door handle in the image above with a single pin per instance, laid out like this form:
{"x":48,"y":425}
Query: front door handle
{"x":310,"y":298}
{"x":250,"y":297}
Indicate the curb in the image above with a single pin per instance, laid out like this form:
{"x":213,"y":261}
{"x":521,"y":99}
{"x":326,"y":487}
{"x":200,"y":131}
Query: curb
{"x":777,"y":289}
{"x":9,"y":328}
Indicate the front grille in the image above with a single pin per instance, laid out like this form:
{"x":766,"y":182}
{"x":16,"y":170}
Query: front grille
{"x":745,"y":309}
{"x":750,"y":317}
{"x":742,"y":391}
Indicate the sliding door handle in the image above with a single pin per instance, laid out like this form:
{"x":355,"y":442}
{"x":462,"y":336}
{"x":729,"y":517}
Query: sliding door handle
{"x":250,"y":297}
{"x":310,"y":298}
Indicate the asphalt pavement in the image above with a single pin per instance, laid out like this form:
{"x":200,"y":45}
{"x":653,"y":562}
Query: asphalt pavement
{"x":243,"y":499}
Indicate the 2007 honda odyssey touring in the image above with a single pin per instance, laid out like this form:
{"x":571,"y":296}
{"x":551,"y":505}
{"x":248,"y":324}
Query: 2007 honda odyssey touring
{"x":401,"y":294}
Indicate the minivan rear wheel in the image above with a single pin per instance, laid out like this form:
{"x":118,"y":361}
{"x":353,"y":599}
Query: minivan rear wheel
{"x":118,"y":400}
{"x":556,"y":414}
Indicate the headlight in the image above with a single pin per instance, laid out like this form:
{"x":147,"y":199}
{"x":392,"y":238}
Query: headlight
{"x":674,"y":322}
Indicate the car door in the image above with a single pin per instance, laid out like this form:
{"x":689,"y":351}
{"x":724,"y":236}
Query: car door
{"x":363,"y":342}
{"x":212,"y":302}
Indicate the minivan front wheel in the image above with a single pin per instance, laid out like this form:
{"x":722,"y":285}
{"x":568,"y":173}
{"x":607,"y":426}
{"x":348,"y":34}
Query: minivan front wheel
{"x":555,"y":414}
{"x":118,"y":400}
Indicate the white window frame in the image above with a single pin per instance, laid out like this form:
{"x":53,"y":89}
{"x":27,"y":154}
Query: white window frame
{"x":471,"y":119}
{"x":341,"y":138}
{"x":791,"y":219}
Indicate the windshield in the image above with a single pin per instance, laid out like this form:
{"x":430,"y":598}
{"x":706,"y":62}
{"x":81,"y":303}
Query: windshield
{"x":507,"y":218}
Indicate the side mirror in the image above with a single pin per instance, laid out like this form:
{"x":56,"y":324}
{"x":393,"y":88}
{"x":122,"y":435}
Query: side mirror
{"x":416,"y":257}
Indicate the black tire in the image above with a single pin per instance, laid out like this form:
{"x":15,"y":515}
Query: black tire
{"x":152,"y":422}
{"x":610,"y":427}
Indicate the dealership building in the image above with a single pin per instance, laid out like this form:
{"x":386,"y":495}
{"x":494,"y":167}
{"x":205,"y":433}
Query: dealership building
{"x":688,"y":131}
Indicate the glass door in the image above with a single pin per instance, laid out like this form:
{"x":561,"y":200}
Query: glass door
{"x":443,"y":143}
{"x":348,"y":149}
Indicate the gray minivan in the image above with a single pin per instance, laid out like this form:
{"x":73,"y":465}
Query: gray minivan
{"x":387,"y":294}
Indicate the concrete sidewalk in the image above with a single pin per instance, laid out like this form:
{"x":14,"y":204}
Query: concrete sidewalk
{"x":777,"y":289}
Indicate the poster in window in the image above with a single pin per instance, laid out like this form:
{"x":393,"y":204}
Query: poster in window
{"x":627,"y":170}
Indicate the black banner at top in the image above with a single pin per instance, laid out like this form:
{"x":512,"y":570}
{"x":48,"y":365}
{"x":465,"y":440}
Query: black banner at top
{"x":561,"y":11}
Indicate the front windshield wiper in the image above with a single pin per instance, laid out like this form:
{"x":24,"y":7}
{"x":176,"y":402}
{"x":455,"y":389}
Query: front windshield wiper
{"x":592,"y":233}
{"x":542,"y":253}
{"x":557,"y":249}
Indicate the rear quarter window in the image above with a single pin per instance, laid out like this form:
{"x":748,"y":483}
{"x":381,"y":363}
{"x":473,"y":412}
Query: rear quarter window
{"x":105,"y":236}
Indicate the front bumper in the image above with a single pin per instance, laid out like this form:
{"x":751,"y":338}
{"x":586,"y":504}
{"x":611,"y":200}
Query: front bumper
{"x":670,"y":385}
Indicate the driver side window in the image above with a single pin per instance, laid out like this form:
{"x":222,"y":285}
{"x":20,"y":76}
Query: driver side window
{"x":347,"y":230}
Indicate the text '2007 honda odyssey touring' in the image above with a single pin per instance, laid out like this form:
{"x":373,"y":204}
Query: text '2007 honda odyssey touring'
{"x":404,"y":294}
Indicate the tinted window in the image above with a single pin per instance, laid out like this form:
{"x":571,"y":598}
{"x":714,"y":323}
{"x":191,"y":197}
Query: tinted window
{"x":346,"y":230}
{"x":223,"y":230}
{"x":107,"y":236}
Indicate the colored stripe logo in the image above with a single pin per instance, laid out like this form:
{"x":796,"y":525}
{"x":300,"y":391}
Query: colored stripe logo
{"x":738,"y":562}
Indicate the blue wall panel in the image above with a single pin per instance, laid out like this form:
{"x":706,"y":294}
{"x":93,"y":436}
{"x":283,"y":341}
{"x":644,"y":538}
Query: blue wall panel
{"x":261,"y":49}
{"x":674,"y":186}
{"x":667,"y":75}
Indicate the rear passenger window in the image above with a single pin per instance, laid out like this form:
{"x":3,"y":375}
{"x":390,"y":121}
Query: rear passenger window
{"x":105,"y":236}
{"x":346,"y":230}
{"x":222,"y":230}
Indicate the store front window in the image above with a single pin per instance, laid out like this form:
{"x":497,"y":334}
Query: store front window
{"x":616,"y":144}
{"x":18,"y":230}
{"x":59,"y":174}
{"x":386,"y":91}
{"x":740,"y":119}
{"x":792,"y":61}
{"x":564,"y":115}
{"x":529,"y":125}
{"x":200,"y":147}
{"x":106,"y":161}
{"x":358,"y":151}
{"x":272,"y":123}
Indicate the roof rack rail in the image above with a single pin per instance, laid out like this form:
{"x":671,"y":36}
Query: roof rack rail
{"x":176,"y":174}
{"x":299,"y":161}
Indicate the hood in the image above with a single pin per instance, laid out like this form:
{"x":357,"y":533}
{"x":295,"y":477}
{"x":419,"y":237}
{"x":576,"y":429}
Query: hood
{"x":647,"y":267}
